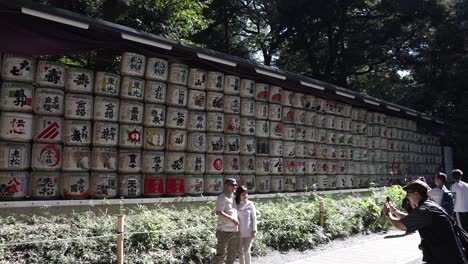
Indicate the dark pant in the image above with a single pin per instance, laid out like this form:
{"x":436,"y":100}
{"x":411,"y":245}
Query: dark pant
{"x":462,"y":220}
{"x":227,"y":241}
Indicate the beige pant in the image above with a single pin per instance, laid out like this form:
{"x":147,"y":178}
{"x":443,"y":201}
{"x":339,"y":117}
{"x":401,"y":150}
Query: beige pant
{"x":226,"y":241}
{"x":244,"y":250}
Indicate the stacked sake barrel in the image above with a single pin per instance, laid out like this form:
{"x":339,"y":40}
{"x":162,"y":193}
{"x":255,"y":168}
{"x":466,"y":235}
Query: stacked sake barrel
{"x":425,"y":156}
{"x":17,"y":126}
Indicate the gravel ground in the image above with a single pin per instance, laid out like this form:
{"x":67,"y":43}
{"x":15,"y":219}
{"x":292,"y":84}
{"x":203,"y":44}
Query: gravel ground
{"x":293,"y":255}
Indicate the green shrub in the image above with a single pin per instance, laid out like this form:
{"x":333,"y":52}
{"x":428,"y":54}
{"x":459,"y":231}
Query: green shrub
{"x":170,"y":235}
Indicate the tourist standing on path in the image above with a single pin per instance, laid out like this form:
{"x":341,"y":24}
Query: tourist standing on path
{"x":227,"y":231}
{"x":440,"y":194}
{"x":460,"y":190}
{"x":247,"y":224}
{"x":439,"y":241}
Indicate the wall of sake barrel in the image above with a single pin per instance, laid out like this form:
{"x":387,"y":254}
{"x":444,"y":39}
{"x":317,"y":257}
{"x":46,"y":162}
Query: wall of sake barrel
{"x":163,"y":128}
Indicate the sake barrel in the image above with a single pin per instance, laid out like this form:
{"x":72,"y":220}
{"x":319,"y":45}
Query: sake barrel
{"x":232,"y":104}
{"x":231,"y":84}
{"x":214,"y":163}
{"x":262,"y":183}
{"x":262,"y":128}
{"x":152,"y":162}
{"x":297,"y":100}
{"x":349,"y":139}
{"x":248,"y":180}
{"x":196,"y":142}
{"x":104,"y":159}
{"x":107,"y":84}
{"x":46,"y":157}
{"x":103,"y":185}
{"x":340,"y":138}
{"x":262,"y":165}
{"x":231,"y":164}
{"x":322,"y":182}
{"x":48,"y":129}
{"x":311,"y":166}
{"x":288,"y":115}
{"x":197,"y":79}
{"x":79,"y":80}
{"x":196,"y":100}
{"x":309,"y":102}
{"x":18,"y":68}
{"x":231,"y":124}
{"x":176,"y":140}
{"x":16,"y":97}
{"x":311,"y":118}
{"x":131,"y":136}
{"x":213,"y":184}
{"x":261,"y":110}
{"x":277,"y":183}
{"x":247,"y":164}
{"x":232,"y":144}
{"x":215,"y":143}
{"x":48,"y":102}
{"x":154,"y":185}
{"x":301,"y":133}
{"x":195,"y":163}
{"x":14,"y":156}
{"x":333,"y":167}
{"x":247,"y":107}
{"x":301,"y":150}
{"x":176,"y":118}
{"x":286,"y":98}
{"x":156,"y":69}
{"x":274,"y":95}
{"x":133,"y":64}
{"x":323,"y":166}
{"x":177,"y":95}
{"x":331,"y":107}
{"x":331,"y":182}
{"x":214,"y":101}
{"x":289,"y":149}
{"x":130,"y":185}
{"x":247,"y":126}
{"x":78,"y":106}
{"x":275,"y":112}
{"x":194,"y":184}
{"x":276,"y":130}
{"x":247,"y":146}
{"x":76,"y":158}
{"x":263,"y":147}
{"x":349,"y":181}
{"x":313,"y":134}
{"x":154,"y":138}
{"x":301,"y":183}
{"x":276,"y":148}
{"x":131,"y":112}
{"x":215,"y":81}
{"x":74,"y":185}
{"x":331,"y":137}
{"x":154,"y":115}
{"x":330,"y":122}
{"x":299,"y":116}
{"x":276,"y":166}
{"x":50,"y":74}
{"x":247,"y":88}
{"x":322,"y":121}
{"x":320,"y":105}
{"x":312,"y":150}
{"x":129,"y":161}
{"x":106,"y":109}
{"x":155,"y":92}
{"x":45,"y":185}
{"x":175,"y":162}
{"x":178,"y":73}
{"x":14,"y":184}
{"x":324,"y":151}
{"x":289,"y":166}
{"x":300,"y":167}
{"x":289,"y":183}
{"x":261,"y":92}
{"x":196,"y":121}
{"x":289,"y":132}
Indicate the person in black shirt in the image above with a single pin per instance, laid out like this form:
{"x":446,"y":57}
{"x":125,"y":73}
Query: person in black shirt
{"x":439,"y":242}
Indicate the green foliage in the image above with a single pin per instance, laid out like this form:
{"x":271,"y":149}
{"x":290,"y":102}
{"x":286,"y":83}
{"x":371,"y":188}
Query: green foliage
{"x":170,"y":235}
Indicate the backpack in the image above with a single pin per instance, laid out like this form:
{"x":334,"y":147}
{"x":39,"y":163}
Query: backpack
{"x":447,"y":202}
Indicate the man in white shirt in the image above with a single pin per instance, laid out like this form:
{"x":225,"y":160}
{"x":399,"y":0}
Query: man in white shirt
{"x":460,"y":190}
{"x":227,"y":231}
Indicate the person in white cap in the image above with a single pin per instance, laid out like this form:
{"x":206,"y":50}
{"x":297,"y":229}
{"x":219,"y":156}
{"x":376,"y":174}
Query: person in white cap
{"x":227,"y":231}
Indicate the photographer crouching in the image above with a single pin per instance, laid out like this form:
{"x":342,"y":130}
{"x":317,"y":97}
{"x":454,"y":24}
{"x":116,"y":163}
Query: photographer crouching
{"x":439,"y":242}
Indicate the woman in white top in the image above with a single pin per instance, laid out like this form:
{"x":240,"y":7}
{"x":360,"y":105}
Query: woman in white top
{"x":247,"y":223}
